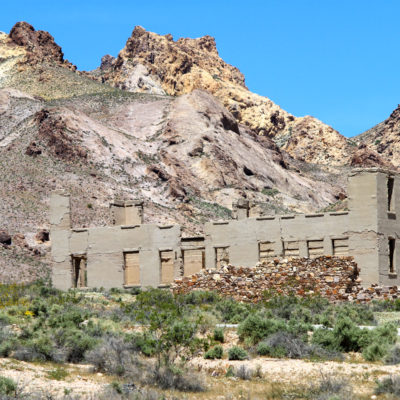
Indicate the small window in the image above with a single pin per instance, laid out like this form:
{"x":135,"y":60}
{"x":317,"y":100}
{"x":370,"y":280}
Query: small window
{"x":291,"y":248}
{"x":392,"y":261}
{"x":340,"y":247}
{"x":315,"y":248}
{"x":221,"y":256}
{"x":131,"y":268}
{"x":390,"y":186}
{"x":79,"y":273}
{"x":266,"y":251}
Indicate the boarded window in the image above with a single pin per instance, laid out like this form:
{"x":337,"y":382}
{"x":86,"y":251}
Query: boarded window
{"x":131,"y":269}
{"x":266,"y":250}
{"x":221,"y":256}
{"x":291,"y":248}
{"x":167,"y":267}
{"x":392,"y":261}
{"x":79,"y":273}
{"x":340,"y":247}
{"x":390,"y":186}
{"x":315,"y":248}
{"x":193,"y":261}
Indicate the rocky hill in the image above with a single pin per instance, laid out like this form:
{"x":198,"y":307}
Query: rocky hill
{"x":156,"y":64}
{"x":167,"y":121}
{"x":384,"y":138}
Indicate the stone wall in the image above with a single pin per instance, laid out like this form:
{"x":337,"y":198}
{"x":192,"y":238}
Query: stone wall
{"x":334,"y":278}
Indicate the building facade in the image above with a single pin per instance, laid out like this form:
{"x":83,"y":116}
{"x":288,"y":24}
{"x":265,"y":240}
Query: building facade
{"x":132,"y":254}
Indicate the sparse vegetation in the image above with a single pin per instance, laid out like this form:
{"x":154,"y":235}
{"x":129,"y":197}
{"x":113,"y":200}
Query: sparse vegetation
{"x":103,"y":328}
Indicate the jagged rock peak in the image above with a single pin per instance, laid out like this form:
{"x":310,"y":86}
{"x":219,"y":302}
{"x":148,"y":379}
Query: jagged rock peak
{"x":169,"y":60}
{"x":40,"y":45}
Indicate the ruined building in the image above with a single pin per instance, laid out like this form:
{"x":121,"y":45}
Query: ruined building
{"x":131,"y":253}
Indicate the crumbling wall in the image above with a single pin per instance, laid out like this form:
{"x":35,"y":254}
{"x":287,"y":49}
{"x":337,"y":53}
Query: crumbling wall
{"x":294,"y":234}
{"x":334,"y":278}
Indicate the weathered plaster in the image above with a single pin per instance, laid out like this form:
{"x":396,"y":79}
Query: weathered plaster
{"x":363,"y":232}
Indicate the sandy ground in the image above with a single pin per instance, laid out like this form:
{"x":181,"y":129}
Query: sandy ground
{"x":82,"y":381}
{"x":33,"y":378}
{"x":295,"y":371}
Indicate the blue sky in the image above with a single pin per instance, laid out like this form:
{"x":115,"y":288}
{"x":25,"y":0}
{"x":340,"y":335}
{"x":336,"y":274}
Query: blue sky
{"x":336,"y":60}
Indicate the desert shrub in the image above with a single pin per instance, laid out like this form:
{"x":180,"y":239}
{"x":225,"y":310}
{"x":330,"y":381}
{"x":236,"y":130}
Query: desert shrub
{"x":67,"y":317}
{"x":237,"y":353}
{"x":215,"y":352}
{"x":393,"y":356}
{"x":385,"y":305}
{"x":386,"y":333}
{"x":288,"y":307}
{"x":75,"y":342}
{"x":198,"y":297}
{"x":170,"y":323}
{"x":331,"y":388}
{"x":299,"y":329}
{"x":114,"y":356}
{"x":178,"y":379}
{"x":244,"y":373}
{"x":205,"y":320}
{"x":7,"y":346}
{"x":257,"y":327}
{"x":263,"y":349}
{"x":218,"y":335}
{"x":325,"y":338}
{"x":347,"y":334}
{"x":232,"y":311}
{"x":390,"y":385}
{"x":7,"y":386}
{"x":283,"y":344}
{"x":375,"y":352}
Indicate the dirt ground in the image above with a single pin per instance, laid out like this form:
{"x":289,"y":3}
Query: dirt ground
{"x":81,"y":380}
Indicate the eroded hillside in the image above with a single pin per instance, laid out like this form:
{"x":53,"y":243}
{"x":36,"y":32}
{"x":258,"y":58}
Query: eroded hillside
{"x":168,"y":122}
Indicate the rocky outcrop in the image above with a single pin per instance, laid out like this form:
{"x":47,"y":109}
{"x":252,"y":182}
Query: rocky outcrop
{"x":384,"y":138}
{"x":364,"y":157}
{"x":53,"y":131}
{"x":40,"y":45}
{"x":181,"y":66}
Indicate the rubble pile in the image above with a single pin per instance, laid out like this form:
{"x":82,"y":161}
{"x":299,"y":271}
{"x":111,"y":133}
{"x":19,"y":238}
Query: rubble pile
{"x":335,"y":278}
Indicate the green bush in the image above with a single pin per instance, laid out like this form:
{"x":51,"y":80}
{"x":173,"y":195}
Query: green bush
{"x":219,"y":335}
{"x":198,"y":297}
{"x":325,"y":338}
{"x":375,"y":352}
{"x":7,"y":386}
{"x":347,"y":335}
{"x":257,"y":327}
{"x":232,"y":311}
{"x":263,"y":349}
{"x":215,"y":353}
{"x":237,"y":353}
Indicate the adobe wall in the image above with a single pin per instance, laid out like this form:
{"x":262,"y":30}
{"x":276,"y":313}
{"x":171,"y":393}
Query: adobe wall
{"x":388,"y":227}
{"x":373,"y":224}
{"x":104,"y":249}
{"x":242,"y":237}
{"x":369,"y":232}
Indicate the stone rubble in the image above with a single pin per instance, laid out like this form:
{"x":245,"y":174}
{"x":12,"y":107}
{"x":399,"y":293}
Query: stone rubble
{"x":334,"y":278}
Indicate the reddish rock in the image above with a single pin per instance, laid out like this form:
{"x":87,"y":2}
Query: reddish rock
{"x":5,"y":238}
